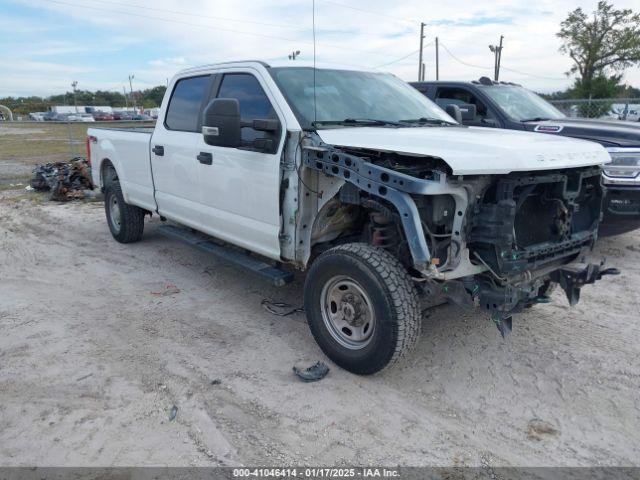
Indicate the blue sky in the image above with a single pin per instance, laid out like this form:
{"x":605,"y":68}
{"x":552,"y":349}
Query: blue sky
{"x":47,"y":44}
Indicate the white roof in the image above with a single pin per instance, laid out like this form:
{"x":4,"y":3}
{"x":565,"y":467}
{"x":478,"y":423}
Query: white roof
{"x":276,"y":63}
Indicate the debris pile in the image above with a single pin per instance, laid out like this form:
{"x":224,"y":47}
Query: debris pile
{"x":64,"y":180}
{"x":315,"y":372}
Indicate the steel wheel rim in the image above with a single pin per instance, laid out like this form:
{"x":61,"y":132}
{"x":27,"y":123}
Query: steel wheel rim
{"x":114,"y":213}
{"x":347,"y":312}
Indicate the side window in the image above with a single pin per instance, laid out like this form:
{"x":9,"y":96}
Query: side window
{"x":459,"y":96}
{"x":254,"y":103}
{"x":185,"y":103}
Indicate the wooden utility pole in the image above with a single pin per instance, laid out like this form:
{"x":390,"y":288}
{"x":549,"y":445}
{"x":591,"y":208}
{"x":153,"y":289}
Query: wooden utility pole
{"x":133,"y":99}
{"x":497,"y":57}
{"x":420,"y":69}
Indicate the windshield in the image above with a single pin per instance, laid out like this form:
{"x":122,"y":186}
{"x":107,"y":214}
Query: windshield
{"x":521,"y":104}
{"x":359,"y":96}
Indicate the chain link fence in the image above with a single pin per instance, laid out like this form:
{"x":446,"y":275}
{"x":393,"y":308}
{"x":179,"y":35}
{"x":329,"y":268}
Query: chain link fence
{"x":627,"y":109}
{"x":29,"y":143}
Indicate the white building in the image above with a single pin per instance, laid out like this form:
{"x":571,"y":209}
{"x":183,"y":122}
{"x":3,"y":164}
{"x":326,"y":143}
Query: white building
{"x":63,"y":109}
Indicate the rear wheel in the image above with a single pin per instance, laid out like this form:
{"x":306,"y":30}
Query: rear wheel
{"x":126,"y":222}
{"x":362,"y":307}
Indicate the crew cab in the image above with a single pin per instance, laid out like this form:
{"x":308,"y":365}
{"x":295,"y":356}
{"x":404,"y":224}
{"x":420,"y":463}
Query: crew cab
{"x":371,"y":188}
{"x":486,"y":103}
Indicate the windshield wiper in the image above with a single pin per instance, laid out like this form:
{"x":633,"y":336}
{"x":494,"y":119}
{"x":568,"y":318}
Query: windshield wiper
{"x":535,"y":119}
{"x":365,"y":122}
{"x":429,"y":121}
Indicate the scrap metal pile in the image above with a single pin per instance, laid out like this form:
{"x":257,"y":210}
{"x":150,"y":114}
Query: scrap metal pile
{"x":64,"y":180}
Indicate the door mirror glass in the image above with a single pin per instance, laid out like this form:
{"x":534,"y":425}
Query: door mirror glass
{"x":221,"y":124}
{"x":467,"y":112}
{"x":454,"y":112}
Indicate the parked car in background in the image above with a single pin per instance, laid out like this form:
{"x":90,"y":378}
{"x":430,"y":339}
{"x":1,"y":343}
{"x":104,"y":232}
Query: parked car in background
{"x":141,"y":117}
{"x":632,"y":115}
{"x":80,"y":117}
{"x":359,"y":179}
{"x":52,"y":117}
{"x":123,"y":115}
{"x":152,"y":112}
{"x":37,"y":116}
{"x":103,"y":117}
{"x":485,"y":103}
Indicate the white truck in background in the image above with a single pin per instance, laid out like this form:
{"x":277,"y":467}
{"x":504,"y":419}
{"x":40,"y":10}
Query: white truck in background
{"x":368,"y":185}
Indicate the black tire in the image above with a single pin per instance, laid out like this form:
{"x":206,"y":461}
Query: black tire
{"x":393,"y":303}
{"x":126,"y":222}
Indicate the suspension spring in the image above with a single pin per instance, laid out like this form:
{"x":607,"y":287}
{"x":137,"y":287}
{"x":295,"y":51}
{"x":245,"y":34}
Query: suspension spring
{"x":383,"y":231}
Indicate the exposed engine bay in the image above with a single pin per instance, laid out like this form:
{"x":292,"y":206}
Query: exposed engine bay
{"x":501,"y":242}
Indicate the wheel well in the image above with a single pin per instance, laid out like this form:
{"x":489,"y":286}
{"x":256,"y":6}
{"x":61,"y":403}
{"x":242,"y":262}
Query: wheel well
{"x":108,"y":172}
{"x":369,"y":221}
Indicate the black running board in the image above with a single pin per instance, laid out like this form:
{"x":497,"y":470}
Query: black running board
{"x":273,"y":274}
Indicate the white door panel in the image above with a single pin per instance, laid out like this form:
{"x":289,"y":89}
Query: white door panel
{"x":240,"y":197}
{"x":176,"y":175}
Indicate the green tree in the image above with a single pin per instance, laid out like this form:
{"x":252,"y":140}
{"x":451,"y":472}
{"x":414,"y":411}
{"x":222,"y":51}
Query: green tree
{"x":153,"y":96}
{"x":601,"y":47}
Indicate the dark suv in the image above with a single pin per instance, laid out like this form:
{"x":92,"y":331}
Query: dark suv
{"x":485,"y":103}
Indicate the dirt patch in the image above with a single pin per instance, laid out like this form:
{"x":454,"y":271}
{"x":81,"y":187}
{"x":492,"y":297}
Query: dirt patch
{"x":539,"y":429}
{"x":92,"y":363}
{"x":8,"y":130}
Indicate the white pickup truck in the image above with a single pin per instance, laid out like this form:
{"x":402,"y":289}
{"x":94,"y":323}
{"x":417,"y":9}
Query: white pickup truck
{"x":361,"y":180}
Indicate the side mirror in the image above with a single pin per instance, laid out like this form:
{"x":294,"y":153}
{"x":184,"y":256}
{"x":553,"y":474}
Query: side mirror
{"x":490,"y":122}
{"x":468,"y":112}
{"x":221,"y":123}
{"x":266,"y":125}
{"x":454,"y":112}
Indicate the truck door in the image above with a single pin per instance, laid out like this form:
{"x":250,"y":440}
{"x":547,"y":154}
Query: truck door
{"x":240,"y":186}
{"x":485,"y":116}
{"x":174,"y":165}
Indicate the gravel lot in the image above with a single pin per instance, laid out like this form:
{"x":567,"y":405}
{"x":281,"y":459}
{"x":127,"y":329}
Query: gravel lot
{"x":99,"y":340}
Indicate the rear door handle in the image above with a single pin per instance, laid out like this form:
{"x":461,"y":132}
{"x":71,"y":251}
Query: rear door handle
{"x":205,"y":158}
{"x":158,"y":150}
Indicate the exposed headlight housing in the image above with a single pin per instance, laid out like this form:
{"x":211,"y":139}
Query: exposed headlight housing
{"x":625,"y":163}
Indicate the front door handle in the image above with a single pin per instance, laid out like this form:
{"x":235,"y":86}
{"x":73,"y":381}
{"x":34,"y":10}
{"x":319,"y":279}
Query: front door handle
{"x":205,"y":158}
{"x":158,"y":150}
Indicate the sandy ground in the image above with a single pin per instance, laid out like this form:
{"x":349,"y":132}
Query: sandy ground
{"x":93,"y":357}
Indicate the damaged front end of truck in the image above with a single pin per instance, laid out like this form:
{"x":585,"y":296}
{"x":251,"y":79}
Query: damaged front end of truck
{"x":498,"y":242}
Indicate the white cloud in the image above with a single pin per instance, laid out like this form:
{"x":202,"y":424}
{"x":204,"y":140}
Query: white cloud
{"x":200,"y":31}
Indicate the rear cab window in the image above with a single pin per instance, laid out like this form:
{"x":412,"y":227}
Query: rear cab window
{"x":185,"y":104}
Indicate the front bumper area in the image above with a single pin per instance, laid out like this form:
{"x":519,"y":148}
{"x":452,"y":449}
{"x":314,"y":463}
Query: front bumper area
{"x":503,"y":301}
{"x":622,"y":202}
{"x":621,"y":212}
{"x":533,"y":232}
{"x":573,"y":277}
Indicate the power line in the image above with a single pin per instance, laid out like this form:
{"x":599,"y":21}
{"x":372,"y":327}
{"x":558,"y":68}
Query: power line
{"x":532,"y":75}
{"x":502,"y":67}
{"x":372,"y":12}
{"x":226,"y":19}
{"x":397,"y":60}
{"x":461,"y":61}
{"x":241,"y":32}
{"x":178,"y":12}
{"x":404,"y":57}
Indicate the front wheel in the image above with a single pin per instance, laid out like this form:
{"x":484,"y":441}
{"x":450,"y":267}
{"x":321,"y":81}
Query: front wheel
{"x":126,"y":222}
{"x":362,"y":307}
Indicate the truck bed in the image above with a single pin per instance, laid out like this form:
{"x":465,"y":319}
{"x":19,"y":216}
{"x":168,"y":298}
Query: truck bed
{"x":148,"y":130}
{"x":127,"y":149}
